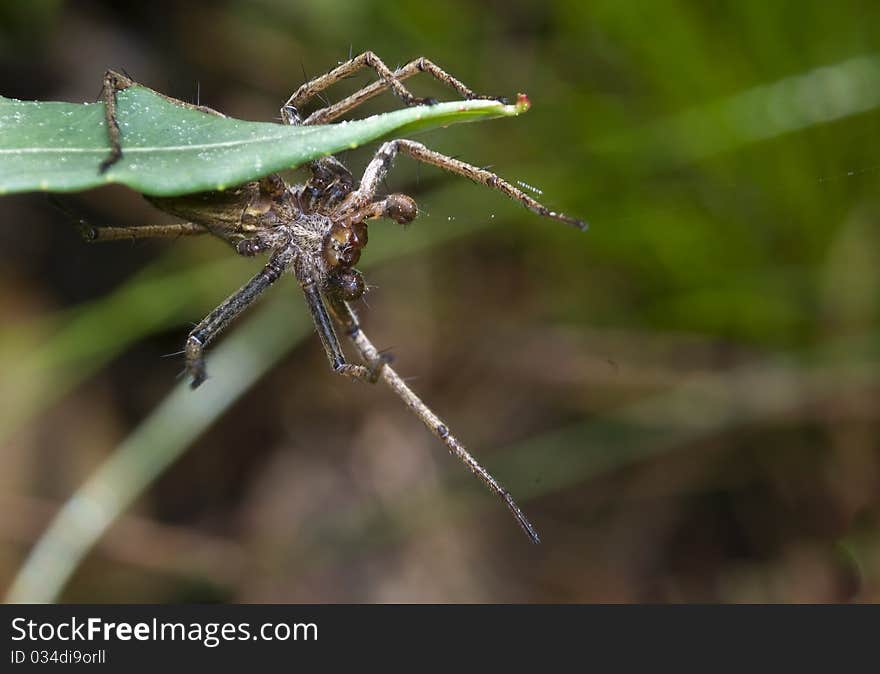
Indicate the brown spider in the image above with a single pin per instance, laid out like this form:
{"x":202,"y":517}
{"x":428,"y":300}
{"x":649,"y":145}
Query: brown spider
{"x":316,"y":231}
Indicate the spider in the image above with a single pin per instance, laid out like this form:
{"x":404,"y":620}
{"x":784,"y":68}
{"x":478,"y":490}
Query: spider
{"x":316,"y":231}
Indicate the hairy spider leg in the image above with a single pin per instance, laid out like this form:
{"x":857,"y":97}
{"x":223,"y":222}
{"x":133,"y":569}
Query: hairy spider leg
{"x":330,"y":183}
{"x":330,"y":342}
{"x":214,"y":323}
{"x":113,"y":83}
{"x":384,"y":157}
{"x":388,"y":79}
{"x":347,"y":318}
{"x":331,"y":180}
{"x":324,"y":169}
{"x":98,"y":234}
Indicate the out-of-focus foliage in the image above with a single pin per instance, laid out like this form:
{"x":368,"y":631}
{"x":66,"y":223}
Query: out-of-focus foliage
{"x":685,"y":398}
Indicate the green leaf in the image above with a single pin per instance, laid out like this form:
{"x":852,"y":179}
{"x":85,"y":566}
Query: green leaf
{"x":170,"y":150}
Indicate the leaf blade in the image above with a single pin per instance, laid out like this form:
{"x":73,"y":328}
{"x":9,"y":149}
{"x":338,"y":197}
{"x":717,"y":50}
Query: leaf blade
{"x":169,"y":150}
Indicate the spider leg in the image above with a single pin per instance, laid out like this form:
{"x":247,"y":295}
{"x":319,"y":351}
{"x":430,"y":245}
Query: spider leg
{"x":330,"y":342}
{"x":384,"y":157}
{"x":331,"y":180}
{"x":330,"y":183}
{"x":113,"y":83}
{"x":91,"y":233}
{"x":346,"y":316}
{"x":232,"y":306}
{"x":388,"y":79}
{"x":398,"y":207}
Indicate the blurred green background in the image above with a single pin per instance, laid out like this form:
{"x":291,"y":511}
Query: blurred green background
{"x":684,"y":399}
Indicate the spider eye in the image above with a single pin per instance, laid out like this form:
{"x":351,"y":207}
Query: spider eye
{"x":401,"y":208}
{"x":345,"y":284}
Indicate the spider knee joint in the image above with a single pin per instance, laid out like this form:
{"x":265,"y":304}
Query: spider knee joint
{"x":193,"y":350}
{"x":195,"y":363}
{"x":88,"y":233}
{"x":249,"y":247}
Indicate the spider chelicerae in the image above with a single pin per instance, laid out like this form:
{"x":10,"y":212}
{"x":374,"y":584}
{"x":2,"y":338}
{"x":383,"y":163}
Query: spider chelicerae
{"x":316,"y":231}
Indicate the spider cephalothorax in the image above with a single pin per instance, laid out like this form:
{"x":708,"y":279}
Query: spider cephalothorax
{"x":317,"y":231}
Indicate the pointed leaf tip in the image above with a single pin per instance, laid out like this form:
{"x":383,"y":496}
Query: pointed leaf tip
{"x":522,"y":103}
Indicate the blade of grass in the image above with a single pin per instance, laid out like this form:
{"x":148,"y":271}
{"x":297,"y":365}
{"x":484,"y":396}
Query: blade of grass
{"x":238,"y":362}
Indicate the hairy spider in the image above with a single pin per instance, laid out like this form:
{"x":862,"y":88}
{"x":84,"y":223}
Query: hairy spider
{"x":316,"y":231}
